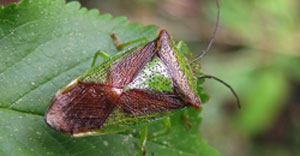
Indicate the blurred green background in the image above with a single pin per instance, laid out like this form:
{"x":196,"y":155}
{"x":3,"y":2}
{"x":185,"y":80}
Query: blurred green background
{"x":256,"y":50}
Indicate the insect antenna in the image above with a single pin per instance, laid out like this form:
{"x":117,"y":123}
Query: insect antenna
{"x":226,"y":84}
{"x":213,"y":36}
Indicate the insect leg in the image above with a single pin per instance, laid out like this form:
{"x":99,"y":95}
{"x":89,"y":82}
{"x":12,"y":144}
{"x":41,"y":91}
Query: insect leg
{"x":99,"y":53}
{"x":185,"y":117}
{"x":122,"y":45}
{"x":167,"y":124}
{"x":143,"y":140}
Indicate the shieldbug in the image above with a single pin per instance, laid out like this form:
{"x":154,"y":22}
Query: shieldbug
{"x":130,"y":89}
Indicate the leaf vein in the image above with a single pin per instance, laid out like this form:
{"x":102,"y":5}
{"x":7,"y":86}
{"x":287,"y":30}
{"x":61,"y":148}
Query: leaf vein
{"x":18,"y":28}
{"x":47,"y":80}
{"x":34,"y":51}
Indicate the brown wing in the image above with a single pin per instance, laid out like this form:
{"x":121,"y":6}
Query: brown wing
{"x":139,"y":102}
{"x":84,"y":107}
{"x":124,"y":71}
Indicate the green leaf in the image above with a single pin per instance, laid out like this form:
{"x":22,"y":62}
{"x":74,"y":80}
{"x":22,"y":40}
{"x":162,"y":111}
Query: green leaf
{"x":183,"y":140}
{"x":44,"y":45}
{"x":264,"y":101}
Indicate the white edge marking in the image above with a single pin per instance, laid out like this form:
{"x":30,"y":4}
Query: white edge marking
{"x":72,"y":83}
{"x":90,"y":133}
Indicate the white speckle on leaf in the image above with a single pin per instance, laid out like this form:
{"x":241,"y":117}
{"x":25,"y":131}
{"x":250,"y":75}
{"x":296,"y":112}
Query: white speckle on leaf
{"x":105,"y":143}
{"x":165,"y":142}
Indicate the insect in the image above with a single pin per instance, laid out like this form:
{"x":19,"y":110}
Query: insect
{"x":129,"y":89}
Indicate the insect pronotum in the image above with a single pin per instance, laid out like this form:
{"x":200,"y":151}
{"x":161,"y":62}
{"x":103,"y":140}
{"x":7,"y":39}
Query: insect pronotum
{"x":130,"y":89}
